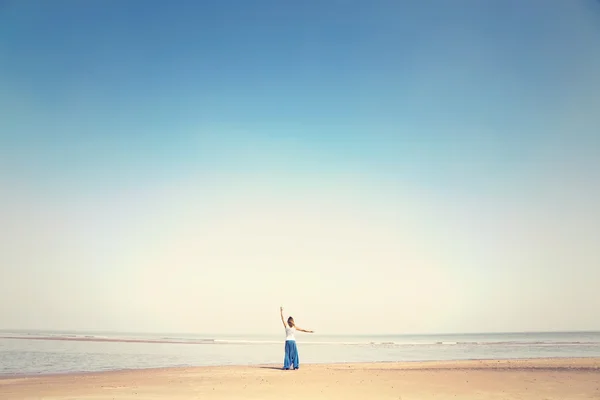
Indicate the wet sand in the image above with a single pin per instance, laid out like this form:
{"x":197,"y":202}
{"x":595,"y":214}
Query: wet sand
{"x":491,"y":379}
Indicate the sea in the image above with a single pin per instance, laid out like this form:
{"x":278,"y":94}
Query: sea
{"x":35,"y":353}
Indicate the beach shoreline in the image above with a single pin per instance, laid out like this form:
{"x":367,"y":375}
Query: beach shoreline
{"x":488,"y":363}
{"x":550,"y":378}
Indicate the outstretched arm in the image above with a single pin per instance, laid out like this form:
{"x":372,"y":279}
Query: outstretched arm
{"x":304,"y":330}
{"x":282,"y":319}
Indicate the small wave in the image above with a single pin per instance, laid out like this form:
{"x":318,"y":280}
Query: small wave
{"x":188,"y":339}
{"x":531,"y":343}
{"x":339,"y":343}
{"x":241,"y":341}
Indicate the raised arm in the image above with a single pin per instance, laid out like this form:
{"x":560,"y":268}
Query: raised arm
{"x":282,"y":319}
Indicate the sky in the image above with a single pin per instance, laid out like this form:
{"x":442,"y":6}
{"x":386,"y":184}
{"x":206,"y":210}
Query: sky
{"x":373,"y":167}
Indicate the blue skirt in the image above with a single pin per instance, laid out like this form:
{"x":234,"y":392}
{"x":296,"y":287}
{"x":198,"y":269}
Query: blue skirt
{"x":291,"y":355}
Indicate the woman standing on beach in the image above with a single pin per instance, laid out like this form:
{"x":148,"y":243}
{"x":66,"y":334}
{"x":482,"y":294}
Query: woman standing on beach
{"x":291,"y":350}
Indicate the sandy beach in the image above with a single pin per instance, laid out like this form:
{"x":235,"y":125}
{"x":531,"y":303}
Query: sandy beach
{"x":493,"y":379}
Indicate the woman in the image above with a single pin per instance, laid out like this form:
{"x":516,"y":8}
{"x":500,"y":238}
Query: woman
{"x":291,"y":350}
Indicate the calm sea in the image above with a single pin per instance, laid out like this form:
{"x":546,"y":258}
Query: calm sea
{"x":26,"y":353}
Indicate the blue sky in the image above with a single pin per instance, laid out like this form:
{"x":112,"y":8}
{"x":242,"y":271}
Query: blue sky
{"x":130,"y":127}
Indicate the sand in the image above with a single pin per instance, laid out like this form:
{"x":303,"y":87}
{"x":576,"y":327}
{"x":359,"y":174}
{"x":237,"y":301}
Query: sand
{"x":523,"y":379}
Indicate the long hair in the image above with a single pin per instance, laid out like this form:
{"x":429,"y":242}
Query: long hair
{"x":290,"y":322}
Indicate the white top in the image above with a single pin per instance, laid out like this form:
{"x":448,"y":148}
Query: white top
{"x":289,"y":333}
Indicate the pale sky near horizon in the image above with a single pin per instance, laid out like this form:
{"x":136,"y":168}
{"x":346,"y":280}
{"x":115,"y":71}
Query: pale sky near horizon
{"x":374,"y":167}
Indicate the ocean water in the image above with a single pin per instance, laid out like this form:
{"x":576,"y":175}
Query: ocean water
{"x":30,"y":353}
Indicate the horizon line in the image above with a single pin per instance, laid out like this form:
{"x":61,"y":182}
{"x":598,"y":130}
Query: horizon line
{"x":270,"y":333}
